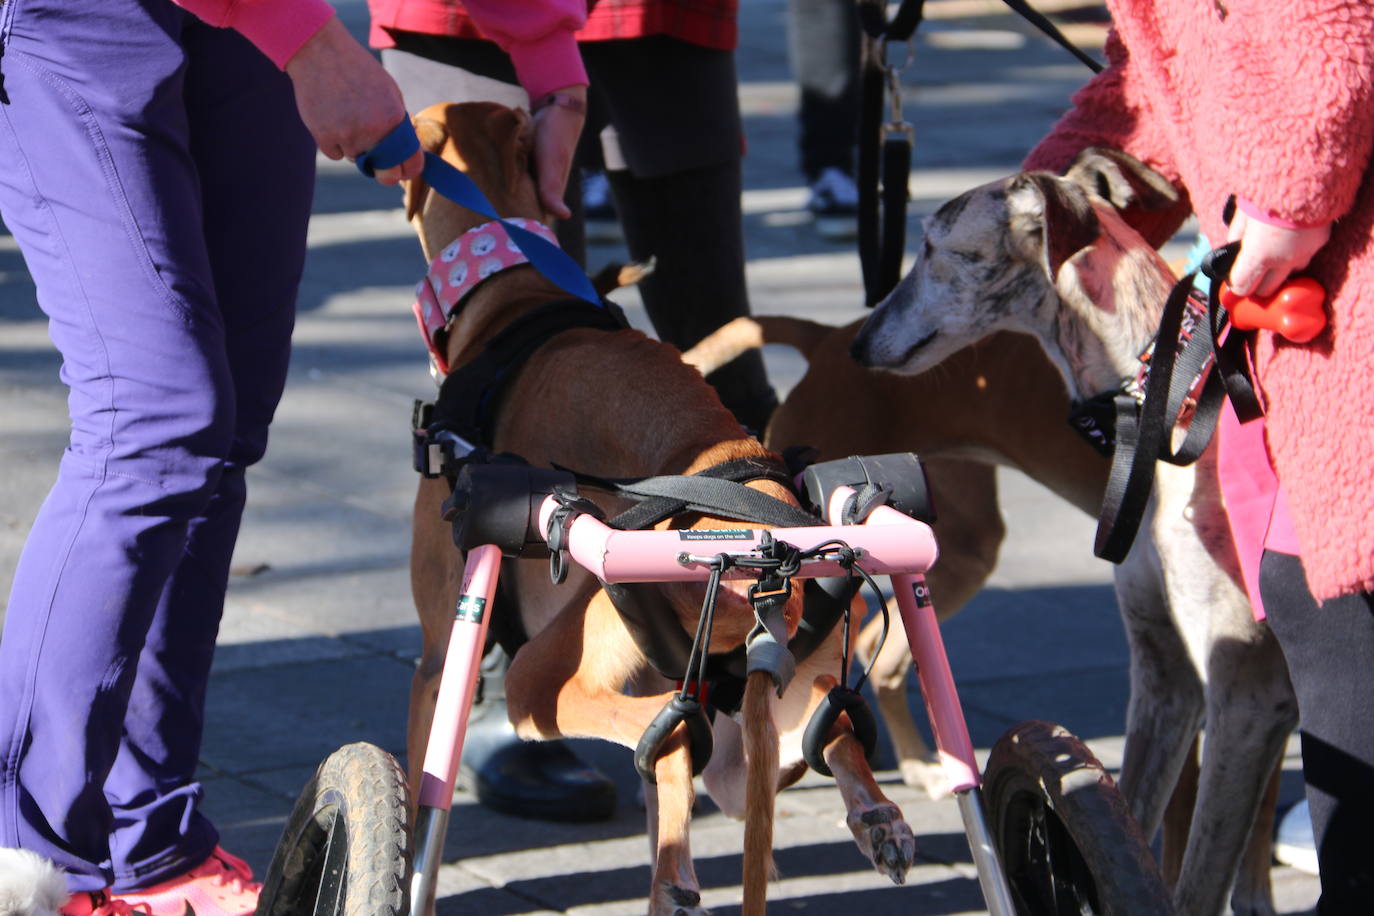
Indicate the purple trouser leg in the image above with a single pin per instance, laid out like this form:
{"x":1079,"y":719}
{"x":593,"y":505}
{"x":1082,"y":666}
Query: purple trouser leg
{"x":158,"y":180}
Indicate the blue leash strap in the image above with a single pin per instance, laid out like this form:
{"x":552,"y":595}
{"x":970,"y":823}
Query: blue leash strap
{"x":547,"y":258}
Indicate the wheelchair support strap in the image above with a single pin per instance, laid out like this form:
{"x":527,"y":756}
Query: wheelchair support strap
{"x":838,"y":700}
{"x":679,"y":709}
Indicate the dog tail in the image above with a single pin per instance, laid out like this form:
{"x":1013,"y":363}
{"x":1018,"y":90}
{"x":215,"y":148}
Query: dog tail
{"x":761,"y":781}
{"x":613,"y":276}
{"x":743,"y":334}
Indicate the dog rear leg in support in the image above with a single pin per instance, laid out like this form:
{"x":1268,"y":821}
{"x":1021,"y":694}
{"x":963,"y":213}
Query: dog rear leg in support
{"x":675,"y":889}
{"x":877,"y":823}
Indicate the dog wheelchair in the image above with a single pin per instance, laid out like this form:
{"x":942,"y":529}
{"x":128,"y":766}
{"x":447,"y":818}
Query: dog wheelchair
{"x":1048,"y":831}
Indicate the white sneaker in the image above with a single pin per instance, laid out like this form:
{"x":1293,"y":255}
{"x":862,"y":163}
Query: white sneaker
{"x":834,"y":202}
{"x":598,"y":210}
{"x":1293,"y":841}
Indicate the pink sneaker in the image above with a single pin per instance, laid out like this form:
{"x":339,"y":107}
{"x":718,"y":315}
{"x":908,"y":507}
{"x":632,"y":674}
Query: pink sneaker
{"x":100,"y":903}
{"x":222,"y":885}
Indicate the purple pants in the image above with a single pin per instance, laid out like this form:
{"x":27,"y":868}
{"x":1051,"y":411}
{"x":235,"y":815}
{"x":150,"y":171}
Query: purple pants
{"x":158,"y":179}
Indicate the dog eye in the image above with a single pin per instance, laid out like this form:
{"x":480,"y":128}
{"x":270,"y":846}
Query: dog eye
{"x":927,"y":249}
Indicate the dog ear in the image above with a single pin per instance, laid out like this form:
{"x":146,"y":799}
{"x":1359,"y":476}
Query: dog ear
{"x":518,"y":127}
{"x":1121,"y":179}
{"x":433,"y":135}
{"x":1050,"y":219}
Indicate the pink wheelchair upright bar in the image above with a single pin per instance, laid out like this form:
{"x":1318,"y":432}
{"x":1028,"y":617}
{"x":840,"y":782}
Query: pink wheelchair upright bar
{"x":891,"y":543}
{"x":459,"y":680}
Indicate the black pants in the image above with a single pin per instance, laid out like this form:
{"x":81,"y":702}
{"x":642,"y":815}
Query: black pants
{"x":823,"y":48}
{"x":1330,"y":654}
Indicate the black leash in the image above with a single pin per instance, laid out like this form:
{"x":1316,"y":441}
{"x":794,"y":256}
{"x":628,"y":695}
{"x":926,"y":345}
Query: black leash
{"x":885,"y":146}
{"x":1144,"y":421}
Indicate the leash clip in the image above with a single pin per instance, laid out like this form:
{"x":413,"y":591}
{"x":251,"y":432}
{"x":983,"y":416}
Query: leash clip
{"x":897,"y":125}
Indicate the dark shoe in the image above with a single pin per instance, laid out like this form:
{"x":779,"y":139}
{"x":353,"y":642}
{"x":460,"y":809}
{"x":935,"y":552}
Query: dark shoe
{"x":543,"y":780}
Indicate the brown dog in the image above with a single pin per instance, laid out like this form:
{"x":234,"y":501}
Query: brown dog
{"x":996,"y":402}
{"x":615,"y":404}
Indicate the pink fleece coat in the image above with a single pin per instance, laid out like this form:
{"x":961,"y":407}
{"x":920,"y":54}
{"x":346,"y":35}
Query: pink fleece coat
{"x":1272,"y":100}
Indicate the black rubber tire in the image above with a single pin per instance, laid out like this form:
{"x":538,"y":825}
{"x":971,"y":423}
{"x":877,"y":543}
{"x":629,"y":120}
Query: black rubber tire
{"x":1066,"y":837}
{"x":345,"y":850}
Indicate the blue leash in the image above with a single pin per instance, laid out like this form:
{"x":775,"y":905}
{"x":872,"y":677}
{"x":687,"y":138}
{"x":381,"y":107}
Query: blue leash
{"x":547,"y":258}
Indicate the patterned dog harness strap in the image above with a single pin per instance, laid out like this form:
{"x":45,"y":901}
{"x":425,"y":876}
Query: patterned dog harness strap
{"x":475,"y":256}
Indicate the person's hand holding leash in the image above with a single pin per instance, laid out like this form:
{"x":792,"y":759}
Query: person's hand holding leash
{"x":1269,"y":253}
{"x":558,"y":119}
{"x":347,"y":101}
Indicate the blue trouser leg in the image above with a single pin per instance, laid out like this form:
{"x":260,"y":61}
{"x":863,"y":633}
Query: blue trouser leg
{"x":158,"y":181}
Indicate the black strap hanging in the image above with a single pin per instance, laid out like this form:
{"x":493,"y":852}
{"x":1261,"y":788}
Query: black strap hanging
{"x":884,"y":159}
{"x":885,"y":146}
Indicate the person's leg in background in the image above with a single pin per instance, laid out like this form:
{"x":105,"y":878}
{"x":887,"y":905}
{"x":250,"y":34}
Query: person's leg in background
{"x":246,"y":127}
{"x":675,"y":171}
{"x":823,"y":49}
{"x":543,"y":780}
{"x":1330,"y":654}
{"x":103,"y":192}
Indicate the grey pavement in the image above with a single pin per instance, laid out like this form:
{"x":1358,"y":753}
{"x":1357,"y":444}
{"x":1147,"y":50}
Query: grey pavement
{"x":319,"y":637}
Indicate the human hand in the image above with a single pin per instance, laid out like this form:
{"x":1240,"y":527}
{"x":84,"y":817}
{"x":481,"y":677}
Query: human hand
{"x":1269,"y":254}
{"x":557,"y":127}
{"x":347,"y":101}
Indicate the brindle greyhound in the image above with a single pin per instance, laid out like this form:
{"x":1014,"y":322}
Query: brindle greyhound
{"x":1052,"y":257}
{"x":616,"y":404}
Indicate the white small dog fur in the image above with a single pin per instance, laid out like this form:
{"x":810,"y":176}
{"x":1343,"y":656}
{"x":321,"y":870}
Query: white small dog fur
{"x":30,"y":885}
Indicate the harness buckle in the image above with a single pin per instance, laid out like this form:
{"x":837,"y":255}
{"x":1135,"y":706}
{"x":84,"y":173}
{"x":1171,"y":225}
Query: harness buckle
{"x":770,"y":587}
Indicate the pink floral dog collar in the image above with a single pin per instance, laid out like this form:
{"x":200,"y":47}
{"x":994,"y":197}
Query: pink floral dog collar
{"x":475,"y":256}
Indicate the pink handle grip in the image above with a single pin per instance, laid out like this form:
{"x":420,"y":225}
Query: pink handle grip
{"x":892,"y":543}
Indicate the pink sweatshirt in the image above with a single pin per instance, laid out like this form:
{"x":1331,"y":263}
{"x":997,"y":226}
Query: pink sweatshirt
{"x":538,"y":36}
{"x":1273,"y":102}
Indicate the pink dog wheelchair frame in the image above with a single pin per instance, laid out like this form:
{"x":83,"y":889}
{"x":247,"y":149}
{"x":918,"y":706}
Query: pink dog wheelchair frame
{"x":1052,"y":837}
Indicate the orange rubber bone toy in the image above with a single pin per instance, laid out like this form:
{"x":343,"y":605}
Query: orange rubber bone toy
{"x":1296,"y":312}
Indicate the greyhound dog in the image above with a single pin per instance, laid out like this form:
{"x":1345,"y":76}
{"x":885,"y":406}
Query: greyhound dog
{"x":593,"y":399}
{"x":1051,"y":256}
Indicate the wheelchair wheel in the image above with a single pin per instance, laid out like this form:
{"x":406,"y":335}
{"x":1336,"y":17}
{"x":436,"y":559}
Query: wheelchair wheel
{"x":1067,"y":840}
{"x":345,"y":850}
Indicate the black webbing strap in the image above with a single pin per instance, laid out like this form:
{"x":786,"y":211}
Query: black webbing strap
{"x":1037,"y":19}
{"x":1233,"y":365}
{"x":717,"y":491}
{"x":885,"y":146}
{"x":884,"y":156}
{"x":470,"y":395}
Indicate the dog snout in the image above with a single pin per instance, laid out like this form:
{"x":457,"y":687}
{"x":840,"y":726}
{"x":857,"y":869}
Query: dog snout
{"x":859,"y":346}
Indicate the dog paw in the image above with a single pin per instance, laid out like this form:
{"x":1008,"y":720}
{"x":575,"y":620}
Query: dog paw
{"x":927,"y":775}
{"x":673,"y":900}
{"x":885,"y":838}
